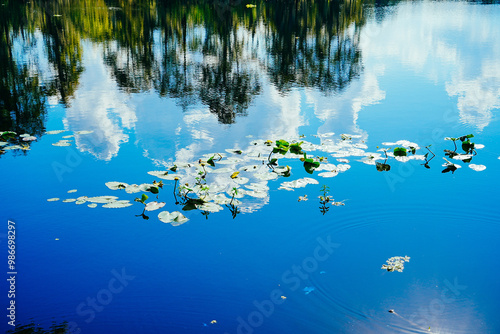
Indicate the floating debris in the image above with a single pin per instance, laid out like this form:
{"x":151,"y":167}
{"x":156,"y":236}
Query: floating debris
{"x":52,"y":199}
{"x":396,"y":263}
{"x":92,"y":205}
{"x":72,"y":191}
{"x":29,"y":138}
{"x":69,"y":200}
{"x":302,"y":198}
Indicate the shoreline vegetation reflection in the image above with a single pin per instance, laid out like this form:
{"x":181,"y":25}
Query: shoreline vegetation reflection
{"x":208,"y":52}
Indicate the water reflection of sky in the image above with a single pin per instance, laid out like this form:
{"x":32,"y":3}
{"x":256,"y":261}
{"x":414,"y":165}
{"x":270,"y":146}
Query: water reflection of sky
{"x":458,"y":51}
{"x":439,"y":56}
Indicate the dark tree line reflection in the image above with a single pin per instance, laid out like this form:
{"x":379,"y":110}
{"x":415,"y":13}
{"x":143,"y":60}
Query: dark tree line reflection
{"x":217,"y":53}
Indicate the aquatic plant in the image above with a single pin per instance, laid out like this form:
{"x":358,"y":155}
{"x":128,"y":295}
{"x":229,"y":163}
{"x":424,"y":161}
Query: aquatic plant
{"x":203,"y":185}
{"x":396,"y":263}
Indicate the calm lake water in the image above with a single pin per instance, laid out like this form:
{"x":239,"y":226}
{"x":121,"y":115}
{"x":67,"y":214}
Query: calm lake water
{"x":144,"y":87}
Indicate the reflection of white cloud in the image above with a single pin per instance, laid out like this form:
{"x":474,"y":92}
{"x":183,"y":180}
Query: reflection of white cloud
{"x":460,"y":48}
{"x":99,"y":106}
{"x":370,"y":93}
{"x":339,"y":113}
{"x":477,"y":97}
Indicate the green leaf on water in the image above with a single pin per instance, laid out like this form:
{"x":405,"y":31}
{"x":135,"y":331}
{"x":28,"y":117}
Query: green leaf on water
{"x":400,"y":152}
{"x":273,"y":161}
{"x":5,"y":135}
{"x":144,"y":198}
{"x":295,"y":148}
{"x":383,"y":167}
{"x":154,"y":190}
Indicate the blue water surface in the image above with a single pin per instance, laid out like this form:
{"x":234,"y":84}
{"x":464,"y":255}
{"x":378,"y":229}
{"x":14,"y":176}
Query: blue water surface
{"x":418,"y":71}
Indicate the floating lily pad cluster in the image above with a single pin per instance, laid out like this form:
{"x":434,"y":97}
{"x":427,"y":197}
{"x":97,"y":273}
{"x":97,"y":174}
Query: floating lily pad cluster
{"x":10,"y":140}
{"x":238,"y":178}
{"x":396,"y":263}
{"x":469,"y":148}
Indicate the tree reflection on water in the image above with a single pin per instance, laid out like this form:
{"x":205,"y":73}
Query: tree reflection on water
{"x":216,"y":53}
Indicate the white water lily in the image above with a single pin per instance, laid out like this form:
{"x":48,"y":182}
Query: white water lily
{"x":241,"y":180}
{"x":69,"y":200}
{"x":62,"y":143}
{"x":209,"y":206}
{"x":346,"y":161}
{"x":261,"y":186}
{"x":114,"y":185}
{"x":221,"y":199}
{"x":151,"y":206}
{"x":477,"y":168}
{"x":256,"y":193}
{"x":266,"y":176}
{"x":462,"y":156}
{"x":329,"y":174}
{"x":132,"y":189}
{"x":92,"y":205}
{"x":343,"y":167}
{"x":68,"y":136}
{"x":326,"y":167}
{"x":402,"y":158}
{"x":13,"y":147}
{"x":300,"y":183}
{"x":222,"y":170}
{"x":396,"y":263}
{"x":72,"y":191}
{"x":159,"y":173}
{"x":174,"y":218}
{"x":117,"y":204}
{"x":52,"y":199}
{"x":54,"y":132}
{"x":102,"y":199}
{"x":80,"y":201}
{"x":230,"y":161}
